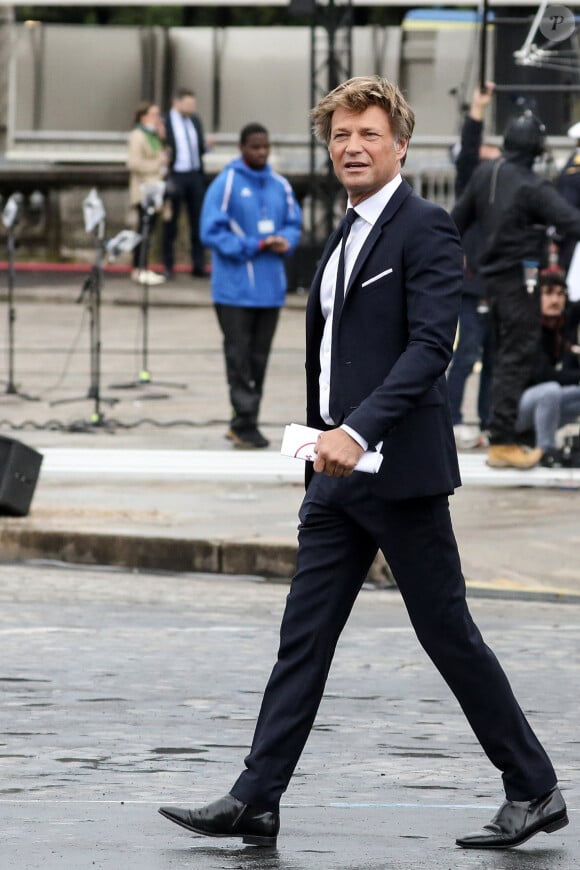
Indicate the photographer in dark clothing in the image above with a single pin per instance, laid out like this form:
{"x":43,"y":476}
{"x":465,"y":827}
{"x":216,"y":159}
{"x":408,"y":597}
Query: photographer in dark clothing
{"x":513,"y":207}
{"x":552,"y":398}
{"x":474,"y":340}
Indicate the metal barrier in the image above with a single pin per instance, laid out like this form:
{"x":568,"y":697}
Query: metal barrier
{"x":435,"y":183}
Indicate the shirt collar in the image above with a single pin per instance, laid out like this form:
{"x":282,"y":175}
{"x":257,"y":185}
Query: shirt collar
{"x":370,"y":209}
{"x":176,"y":114}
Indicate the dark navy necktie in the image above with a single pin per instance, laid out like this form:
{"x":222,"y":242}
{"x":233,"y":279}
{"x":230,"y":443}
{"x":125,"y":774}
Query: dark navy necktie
{"x":192,"y":150}
{"x":346,"y":225}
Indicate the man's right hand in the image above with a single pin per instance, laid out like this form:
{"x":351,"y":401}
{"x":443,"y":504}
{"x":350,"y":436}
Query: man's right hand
{"x":276,"y":244}
{"x":481,"y":100}
{"x":336,"y":453}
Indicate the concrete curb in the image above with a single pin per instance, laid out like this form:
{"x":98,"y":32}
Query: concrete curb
{"x":275,"y":561}
{"x":522,"y":593}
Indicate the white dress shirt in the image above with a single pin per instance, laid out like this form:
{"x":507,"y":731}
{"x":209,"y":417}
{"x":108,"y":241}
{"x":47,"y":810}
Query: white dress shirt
{"x":186,"y":143}
{"x":368,"y":211}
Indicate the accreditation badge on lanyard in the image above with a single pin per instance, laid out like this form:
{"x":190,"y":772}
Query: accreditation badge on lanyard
{"x":266,"y":225}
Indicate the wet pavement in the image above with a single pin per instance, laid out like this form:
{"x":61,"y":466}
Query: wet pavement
{"x":122,"y":691}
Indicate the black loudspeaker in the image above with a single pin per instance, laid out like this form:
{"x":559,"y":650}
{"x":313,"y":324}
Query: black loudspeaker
{"x":19,"y":470}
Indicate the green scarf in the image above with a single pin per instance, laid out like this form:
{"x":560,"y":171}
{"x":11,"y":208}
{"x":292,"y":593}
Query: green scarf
{"x":152,"y":138}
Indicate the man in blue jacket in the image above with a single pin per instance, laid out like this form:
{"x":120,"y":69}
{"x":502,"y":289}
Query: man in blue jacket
{"x":251,"y":221}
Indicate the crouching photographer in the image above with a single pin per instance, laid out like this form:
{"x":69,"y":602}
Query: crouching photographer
{"x":552,"y":398}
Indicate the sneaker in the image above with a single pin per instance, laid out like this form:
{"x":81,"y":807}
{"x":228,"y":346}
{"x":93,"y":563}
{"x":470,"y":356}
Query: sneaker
{"x":513,"y":456}
{"x":151,"y":278}
{"x":146,"y":276}
{"x":467,"y":437}
{"x":247,"y":439}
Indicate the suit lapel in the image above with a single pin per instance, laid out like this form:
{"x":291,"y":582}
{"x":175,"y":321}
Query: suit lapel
{"x":329,"y":247}
{"x":313,"y":305}
{"x":398,"y":198}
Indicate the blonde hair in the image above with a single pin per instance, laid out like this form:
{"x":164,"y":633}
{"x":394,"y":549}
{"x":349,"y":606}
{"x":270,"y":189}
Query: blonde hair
{"x":356,"y":95}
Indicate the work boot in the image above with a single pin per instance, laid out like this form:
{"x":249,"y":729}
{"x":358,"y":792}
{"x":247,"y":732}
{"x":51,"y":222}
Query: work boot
{"x":513,"y":456}
{"x":247,"y":439}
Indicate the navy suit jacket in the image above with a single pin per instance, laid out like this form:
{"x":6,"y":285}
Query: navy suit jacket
{"x":170,"y":138}
{"x":395,"y":340}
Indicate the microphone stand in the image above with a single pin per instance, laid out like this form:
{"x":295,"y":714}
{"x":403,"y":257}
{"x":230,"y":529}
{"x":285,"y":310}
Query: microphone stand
{"x":91,"y":292}
{"x":144,"y":379}
{"x":11,"y":389}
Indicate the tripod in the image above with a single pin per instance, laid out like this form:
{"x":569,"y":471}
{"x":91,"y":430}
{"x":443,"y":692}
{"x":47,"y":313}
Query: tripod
{"x":144,"y":379}
{"x":91,"y":293}
{"x":11,"y":389}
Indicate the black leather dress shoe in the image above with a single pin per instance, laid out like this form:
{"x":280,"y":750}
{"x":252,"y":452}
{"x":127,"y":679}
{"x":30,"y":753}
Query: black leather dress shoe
{"x":517,"y":821}
{"x":228,"y":817}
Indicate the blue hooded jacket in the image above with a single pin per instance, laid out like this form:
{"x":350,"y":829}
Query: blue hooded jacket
{"x":241,"y":207}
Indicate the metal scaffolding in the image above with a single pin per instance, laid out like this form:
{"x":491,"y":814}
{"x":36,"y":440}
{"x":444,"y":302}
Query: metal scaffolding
{"x":330,"y":64}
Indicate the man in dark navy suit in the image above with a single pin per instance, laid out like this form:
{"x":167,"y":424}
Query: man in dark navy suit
{"x":185,"y":181}
{"x":380,"y":324}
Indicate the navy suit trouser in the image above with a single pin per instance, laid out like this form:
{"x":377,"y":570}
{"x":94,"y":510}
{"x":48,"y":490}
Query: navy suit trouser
{"x":342,"y":523}
{"x":185,"y":189}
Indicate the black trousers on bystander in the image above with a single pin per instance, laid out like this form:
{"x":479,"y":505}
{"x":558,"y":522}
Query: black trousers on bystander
{"x":248,"y":334}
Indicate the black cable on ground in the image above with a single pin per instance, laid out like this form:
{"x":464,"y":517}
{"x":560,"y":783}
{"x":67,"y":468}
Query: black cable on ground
{"x":107,"y":423}
{"x":69,"y":355}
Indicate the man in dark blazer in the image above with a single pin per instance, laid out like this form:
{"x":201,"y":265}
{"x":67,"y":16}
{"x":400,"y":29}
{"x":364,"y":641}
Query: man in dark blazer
{"x":185,"y":180}
{"x":380,"y":324}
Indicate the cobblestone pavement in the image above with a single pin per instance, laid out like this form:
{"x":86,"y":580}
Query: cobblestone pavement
{"x":124,"y":691}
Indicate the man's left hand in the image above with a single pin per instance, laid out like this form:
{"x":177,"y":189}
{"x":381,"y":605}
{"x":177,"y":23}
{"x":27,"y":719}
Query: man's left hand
{"x":336,"y":453}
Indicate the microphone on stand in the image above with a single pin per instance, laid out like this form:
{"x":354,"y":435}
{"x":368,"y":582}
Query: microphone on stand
{"x":122,"y":243}
{"x":12,"y":210}
{"x":36,"y":203}
{"x":93,"y":211}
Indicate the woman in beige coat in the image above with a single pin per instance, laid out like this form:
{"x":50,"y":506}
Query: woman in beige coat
{"x":147,"y":162}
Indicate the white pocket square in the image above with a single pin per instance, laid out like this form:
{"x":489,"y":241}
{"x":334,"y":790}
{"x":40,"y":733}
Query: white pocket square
{"x":376,"y":277}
